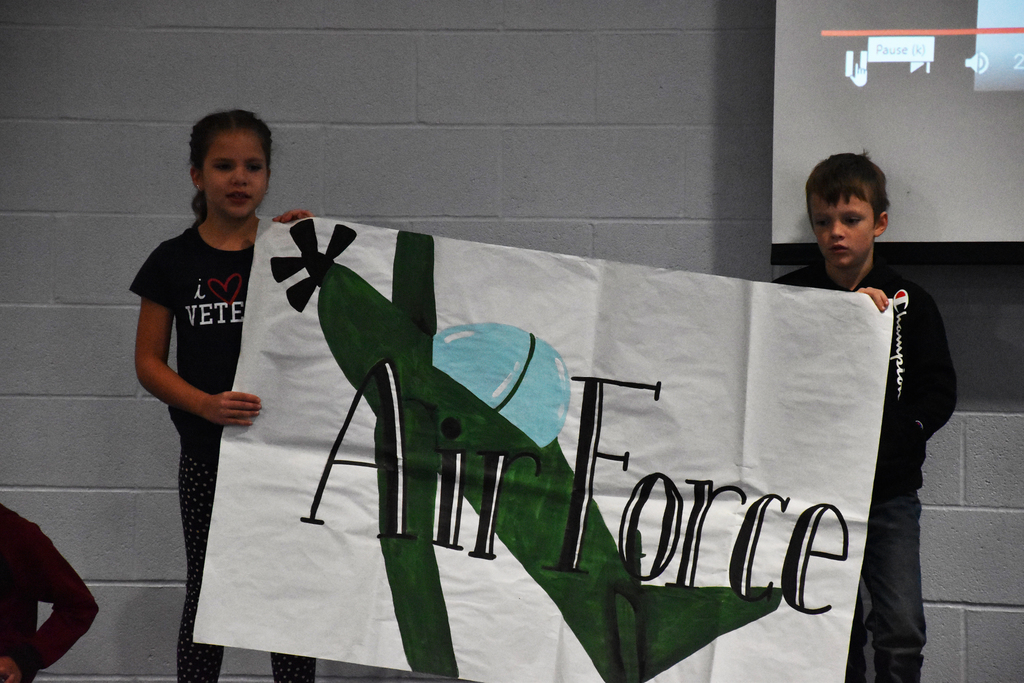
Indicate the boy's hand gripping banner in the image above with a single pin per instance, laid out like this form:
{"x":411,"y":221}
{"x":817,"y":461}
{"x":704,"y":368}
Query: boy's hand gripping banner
{"x":513,"y":466}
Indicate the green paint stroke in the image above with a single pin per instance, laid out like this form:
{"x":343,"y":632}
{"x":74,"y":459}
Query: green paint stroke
{"x":631,"y":631}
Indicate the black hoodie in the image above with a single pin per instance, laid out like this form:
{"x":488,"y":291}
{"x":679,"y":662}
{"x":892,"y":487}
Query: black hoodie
{"x":920,"y":392}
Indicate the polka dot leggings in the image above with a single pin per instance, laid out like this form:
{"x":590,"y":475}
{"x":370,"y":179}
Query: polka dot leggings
{"x":198,"y":662}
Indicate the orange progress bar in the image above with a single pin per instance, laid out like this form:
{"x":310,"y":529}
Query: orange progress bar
{"x":925,"y":32}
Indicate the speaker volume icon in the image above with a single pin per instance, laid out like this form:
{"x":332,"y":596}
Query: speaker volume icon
{"x":979,"y":62}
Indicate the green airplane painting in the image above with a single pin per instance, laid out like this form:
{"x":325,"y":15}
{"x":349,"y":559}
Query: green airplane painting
{"x":440,"y":438}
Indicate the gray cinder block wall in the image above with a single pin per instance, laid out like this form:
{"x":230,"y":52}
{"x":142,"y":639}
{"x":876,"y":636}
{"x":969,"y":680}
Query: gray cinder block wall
{"x":638,"y":132}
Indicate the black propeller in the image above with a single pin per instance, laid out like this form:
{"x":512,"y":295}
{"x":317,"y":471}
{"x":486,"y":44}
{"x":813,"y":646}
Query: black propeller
{"x":310,"y":258}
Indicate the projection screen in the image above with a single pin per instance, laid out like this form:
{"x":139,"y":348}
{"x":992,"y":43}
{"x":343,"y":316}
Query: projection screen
{"x":933,"y":90}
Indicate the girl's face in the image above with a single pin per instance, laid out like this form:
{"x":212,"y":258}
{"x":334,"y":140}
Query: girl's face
{"x":234,"y":176}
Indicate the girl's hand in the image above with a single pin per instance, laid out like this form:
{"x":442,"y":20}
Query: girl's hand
{"x":878,"y":296}
{"x":293,"y":215}
{"x":152,"y":341}
{"x":230,"y":408}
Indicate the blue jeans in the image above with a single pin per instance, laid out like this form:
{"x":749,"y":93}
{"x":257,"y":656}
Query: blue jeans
{"x":892,"y":577}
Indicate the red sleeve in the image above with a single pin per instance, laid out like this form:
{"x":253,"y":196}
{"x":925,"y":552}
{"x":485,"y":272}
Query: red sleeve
{"x":41,"y":573}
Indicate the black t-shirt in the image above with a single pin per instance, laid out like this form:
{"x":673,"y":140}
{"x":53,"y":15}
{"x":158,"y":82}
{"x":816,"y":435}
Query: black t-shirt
{"x":205,"y":289}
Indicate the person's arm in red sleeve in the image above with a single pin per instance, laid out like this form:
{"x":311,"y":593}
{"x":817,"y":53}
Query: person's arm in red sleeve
{"x":41,"y":573}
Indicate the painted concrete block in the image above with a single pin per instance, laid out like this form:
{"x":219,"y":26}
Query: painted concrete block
{"x":27,"y":253}
{"x":944,"y":465}
{"x":705,"y":78}
{"x":331,"y":77}
{"x":555,"y":236}
{"x":728,"y":173}
{"x":399,"y":14}
{"x":994,"y":640}
{"x":603,"y":14}
{"x":993,"y":460}
{"x":675,"y":245}
{"x":663,"y":14}
{"x":32,"y":85}
{"x":944,"y":653}
{"x":648,"y":78}
{"x":234,"y":14}
{"x":741,"y":249}
{"x":412,"y":172}
{"x":152,"y":444}
{"x":67,"y":351}
{"x":158,"y":545}
{"x":110,"y":535}
{"x":97,"y":257}
{"x":32,"y":174}
{"x":983,"y":311}
{"x":973,"y":556}
{"x":590,"y":173}
{"x":549,"y":78}
{"x":745,"y":14}
{"x":728,"y":249}
{"x":297,"y":173}
{"x":93,"y":530}
{"x":388,"y":223}
{"x":730,"y":78}
{"x":135,"y":633}
{"x":462,"y":78}
{"x":119,"y":74}
{"x":285,"y":76}
{"x":180,"y":75}
{"x":73,"y":13}
{"x":99,"y":168}
{"x":72,"y":442}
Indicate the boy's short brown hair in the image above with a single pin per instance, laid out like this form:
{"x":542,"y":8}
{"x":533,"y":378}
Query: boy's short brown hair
{"x":844,"y":175}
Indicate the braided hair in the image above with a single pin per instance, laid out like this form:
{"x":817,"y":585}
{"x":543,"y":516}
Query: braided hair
{"x":207,"y":129}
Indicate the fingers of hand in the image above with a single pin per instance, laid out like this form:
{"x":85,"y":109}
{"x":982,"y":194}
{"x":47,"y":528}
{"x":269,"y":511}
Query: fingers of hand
{"x":293,"y":215}
{"x":237,"y":409}
{"x":243,"y":411}
{"x":877,"y":296}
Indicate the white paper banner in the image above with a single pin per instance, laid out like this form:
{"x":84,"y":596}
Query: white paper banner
{"x":513,"y":466}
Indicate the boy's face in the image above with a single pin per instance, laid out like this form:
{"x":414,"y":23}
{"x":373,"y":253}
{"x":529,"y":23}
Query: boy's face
{"x":846,"y":235}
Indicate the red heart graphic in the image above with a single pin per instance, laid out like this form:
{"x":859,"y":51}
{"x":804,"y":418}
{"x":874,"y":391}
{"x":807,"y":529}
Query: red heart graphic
{"x":222,"y":290}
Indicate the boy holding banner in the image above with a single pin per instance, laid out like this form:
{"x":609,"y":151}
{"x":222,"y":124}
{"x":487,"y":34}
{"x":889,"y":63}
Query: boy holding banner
{"x":846,"y":204}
